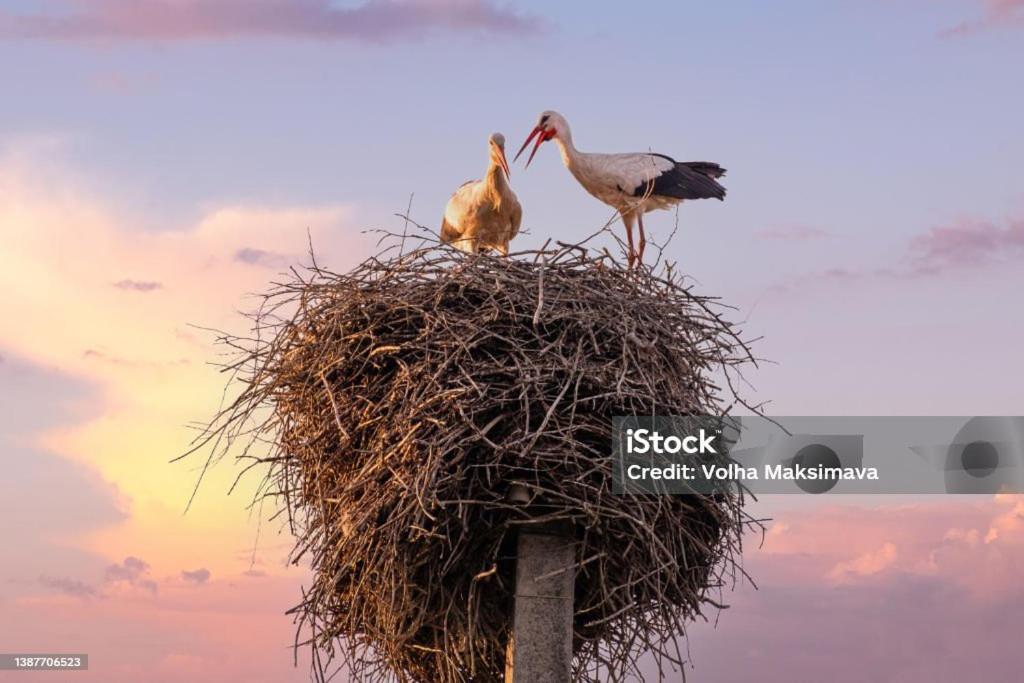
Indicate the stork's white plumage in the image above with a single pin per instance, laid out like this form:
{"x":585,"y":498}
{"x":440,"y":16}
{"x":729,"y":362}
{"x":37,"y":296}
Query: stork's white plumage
{"x":484,"y":214}
{"x":632,"y":184}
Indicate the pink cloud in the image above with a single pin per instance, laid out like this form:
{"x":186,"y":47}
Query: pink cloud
{"x":66,"y":586}
{"x":229,"y":631}
{"x":374,"y":20}
{"x":969,"y":242}
{"x":976,"y":546}
{"x":132,"y":571}
{"x":868,"y":564}
{"x":138,"y":285}
{"x":196,"y":576}
{"x":262,"y":257}
{"x":902,"y":593}
{"x":995,"y":14}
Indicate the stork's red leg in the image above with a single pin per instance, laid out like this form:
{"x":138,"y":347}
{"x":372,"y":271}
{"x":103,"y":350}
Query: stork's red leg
{"x":627,"y":219}
{"x":643,"y":238}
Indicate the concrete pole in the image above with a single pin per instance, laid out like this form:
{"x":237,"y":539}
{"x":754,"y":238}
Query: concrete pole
{"x":540,"y":648}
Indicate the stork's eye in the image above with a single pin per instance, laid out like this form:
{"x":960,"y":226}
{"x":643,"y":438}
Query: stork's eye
{"x":543,"y":119}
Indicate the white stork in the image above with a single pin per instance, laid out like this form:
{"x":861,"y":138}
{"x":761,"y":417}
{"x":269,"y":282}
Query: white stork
{"x":632,"y":184}
{"x":484,"y":214}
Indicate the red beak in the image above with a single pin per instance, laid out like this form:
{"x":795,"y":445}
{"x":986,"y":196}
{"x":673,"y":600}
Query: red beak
{"x":542,"y":137}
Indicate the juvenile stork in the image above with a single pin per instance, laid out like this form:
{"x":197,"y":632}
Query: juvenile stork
{"x":484,"y":214}
{"x":632,"y":184}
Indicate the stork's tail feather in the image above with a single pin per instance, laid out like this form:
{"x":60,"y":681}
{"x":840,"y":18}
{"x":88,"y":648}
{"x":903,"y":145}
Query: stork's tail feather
{"x":708,"y":168}
{"x":701,"y":179}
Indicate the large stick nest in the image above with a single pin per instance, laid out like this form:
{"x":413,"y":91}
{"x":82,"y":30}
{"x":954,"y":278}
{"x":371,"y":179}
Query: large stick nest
{"x":394,"y":406}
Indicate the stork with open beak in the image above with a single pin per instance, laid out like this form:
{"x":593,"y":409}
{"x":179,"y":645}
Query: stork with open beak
{"x":484,"y":214}
{"x":632,"y":184}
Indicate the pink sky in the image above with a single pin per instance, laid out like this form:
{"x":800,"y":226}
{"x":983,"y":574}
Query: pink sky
{"x":101,"y":376}
{"x":149,"y":592}
{"x":162,"y":160}
{"x":375,"y":20}
{"x":904,"y":592}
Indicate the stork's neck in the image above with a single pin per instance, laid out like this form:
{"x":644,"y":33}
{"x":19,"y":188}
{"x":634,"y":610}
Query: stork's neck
{"x":495,"y":177}
{"x":496,"y":183}
{"x":570,"y":155}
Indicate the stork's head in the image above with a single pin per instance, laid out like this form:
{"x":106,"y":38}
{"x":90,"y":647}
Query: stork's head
{"x":550,"y":125}
{"x":496,"y":143}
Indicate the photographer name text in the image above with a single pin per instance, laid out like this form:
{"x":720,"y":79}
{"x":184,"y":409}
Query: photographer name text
{"x":734,"y":472}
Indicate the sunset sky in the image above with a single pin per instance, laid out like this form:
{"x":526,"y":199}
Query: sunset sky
{"x":160,"y":161}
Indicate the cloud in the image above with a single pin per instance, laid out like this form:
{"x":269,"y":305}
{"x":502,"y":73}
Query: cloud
{"x":141,"y":360}
{"x":34,"y":399}
{"x":867,"y":564}
{"x":197,"y":576}
{"x":138,"y":285}
{"x":968,"y":243}
{"x":105,"y":425}
{"x":374,"y":20}
{"x":261,"y":257}
{"x":131,"y":571}
{"x":1009,"y":524}
{"x":72,"y":587}
{"x":976,"y":546}
{"x":926,"y":602}
{"x":71,"y":240}
{"x":225,"y":632}
{"x":995,"y":14}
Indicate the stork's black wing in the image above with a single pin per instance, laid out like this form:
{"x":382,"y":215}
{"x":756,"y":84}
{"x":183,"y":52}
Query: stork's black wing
{"x":686,"y":180}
